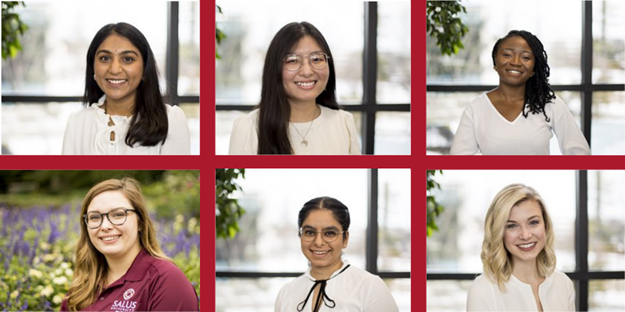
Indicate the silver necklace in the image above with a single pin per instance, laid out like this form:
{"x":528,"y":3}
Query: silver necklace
{"x":304,"y":141}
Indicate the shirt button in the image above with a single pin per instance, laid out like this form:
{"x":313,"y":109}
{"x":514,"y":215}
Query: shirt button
{"x":101,"y":298}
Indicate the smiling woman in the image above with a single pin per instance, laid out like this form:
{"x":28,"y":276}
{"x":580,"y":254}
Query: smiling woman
{"x":331,"y":283}
{"x":119,"y":263}
{"x":298,"y":112}
{"x":518,"y":258}
{"x":125,"y":112}
{"x":520,"y":116}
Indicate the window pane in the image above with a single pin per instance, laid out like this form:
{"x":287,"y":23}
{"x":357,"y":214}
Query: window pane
{"x":400,"y":289}
{"x":447,"y":295}
{"x":225,"y":121}
{"x":192,"y":112}
{"x":394,"y":220}
{"x":392,"y":133}
{"x":608,"y":122}
{"x":269,"y":226}
{"x":466,"y":196}
{"x":250,"y":27}
{"x":393,"y":83}
{"x":608,"y":43}
{"x":606,"y":295}
{"x":606,"y":247}
{"x":189,"y":32}
{"x":53,"y":59}
{"x":35,"y":129}
{"x":490,"y":20}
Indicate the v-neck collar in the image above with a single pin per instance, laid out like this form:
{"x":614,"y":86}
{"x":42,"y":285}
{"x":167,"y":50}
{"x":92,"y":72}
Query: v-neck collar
{"x":499,"y":114}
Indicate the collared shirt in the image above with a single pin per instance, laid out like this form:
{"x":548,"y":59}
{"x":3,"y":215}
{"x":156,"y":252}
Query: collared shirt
{"x":150,"y":284}
{"x":353,"y":290}
{"x":556,"y":293}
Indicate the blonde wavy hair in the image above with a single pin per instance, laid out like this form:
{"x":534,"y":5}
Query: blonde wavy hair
{"x":496,"y":259}
{"x":90,"y":265}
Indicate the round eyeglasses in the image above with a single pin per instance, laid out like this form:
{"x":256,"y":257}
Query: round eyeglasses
{"x":309,"y":235}
{"x":116,"y":216}
{"x":317,"y":60}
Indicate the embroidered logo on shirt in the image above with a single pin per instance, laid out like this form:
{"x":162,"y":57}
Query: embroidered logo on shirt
{"x":129,"y":293}
{"x":123,"y":306}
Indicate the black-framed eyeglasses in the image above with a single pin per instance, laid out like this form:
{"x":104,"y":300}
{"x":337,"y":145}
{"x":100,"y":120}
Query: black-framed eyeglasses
{"x":317,"y":60}
{"x":116,"y":216}
{"x":329,"y":235}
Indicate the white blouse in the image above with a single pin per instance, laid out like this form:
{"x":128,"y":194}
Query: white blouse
{"x":483,"y":129}
{"x":332,"y":133}
{"x":353,"y":290}
{"x":88,"y":133}
{"x":556,"y":294}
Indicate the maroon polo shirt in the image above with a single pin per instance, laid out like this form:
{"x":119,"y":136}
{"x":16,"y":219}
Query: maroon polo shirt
{"x":150,"y":284}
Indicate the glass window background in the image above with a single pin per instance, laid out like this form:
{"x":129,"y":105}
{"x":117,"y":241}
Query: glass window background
{"x":466,"y":196}
{"x":490,"y":20}
{"x":272,"y":199}
{"x":52,"y":63}
{"x":239,"y":71}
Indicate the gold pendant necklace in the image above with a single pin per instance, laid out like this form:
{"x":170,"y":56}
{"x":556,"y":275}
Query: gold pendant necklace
{"x":304,"y":142}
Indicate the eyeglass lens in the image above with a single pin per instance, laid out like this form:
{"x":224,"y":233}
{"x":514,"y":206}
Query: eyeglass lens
{"x":327,"y":235}
{"x":294,"y":61}
{"x":115,"y":216}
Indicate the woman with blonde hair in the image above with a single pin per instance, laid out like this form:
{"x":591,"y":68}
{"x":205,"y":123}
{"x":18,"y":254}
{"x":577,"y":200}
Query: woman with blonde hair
{"x":119,"y":265}
{"x":518,"y":258}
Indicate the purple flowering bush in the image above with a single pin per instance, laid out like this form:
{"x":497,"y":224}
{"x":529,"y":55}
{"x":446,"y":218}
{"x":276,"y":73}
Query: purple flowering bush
{"x":37,"y":246}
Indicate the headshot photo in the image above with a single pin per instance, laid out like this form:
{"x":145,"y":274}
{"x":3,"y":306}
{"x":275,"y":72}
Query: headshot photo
{"x":506,"y":80}
{"x":113,"y":86}
{"x":328,"y":79}
{"x":100,"y":240}
{"x":314,"y":244}
{"x":525,"y":240}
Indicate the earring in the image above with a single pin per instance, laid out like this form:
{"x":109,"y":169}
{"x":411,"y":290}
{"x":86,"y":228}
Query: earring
{"x":495,"y":67}
{"x":93,"y":76}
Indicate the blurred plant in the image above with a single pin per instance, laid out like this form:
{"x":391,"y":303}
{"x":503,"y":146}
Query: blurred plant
{"x":219,"y":35}
{"x":12,"y":29}
{"x":434,"y":209}
{"x":177,"y":193}
{"x":444,"y":24}
{"x":228,"y":210}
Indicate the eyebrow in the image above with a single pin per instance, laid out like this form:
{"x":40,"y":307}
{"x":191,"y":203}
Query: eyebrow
{"x":511,"y":49}
{"x":530,"y":218}
{"x":98,"y":211}
{"x":306,"y":227}
{"x":308,"y":54}
{"x":122,"y":53}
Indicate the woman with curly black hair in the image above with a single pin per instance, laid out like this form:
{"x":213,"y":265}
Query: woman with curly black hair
{"x":520,"y":116}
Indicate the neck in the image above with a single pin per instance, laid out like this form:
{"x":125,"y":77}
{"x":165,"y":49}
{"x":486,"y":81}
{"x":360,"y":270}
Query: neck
{"x":120,"y":108}
{"x":526,"y":271}
{"x":324,"y":273}
{"x":304,"y":112}
{"x":118,"y":266}
{"x":510,"y":93}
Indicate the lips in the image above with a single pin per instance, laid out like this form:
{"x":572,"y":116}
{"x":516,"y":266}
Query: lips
{"x":320,"y":253}
{"x":116,"y":81}
{"x":306,"y":84}
{"x":110,"y":239}
{"x":527,"y":247}
{"x":514,"y":71}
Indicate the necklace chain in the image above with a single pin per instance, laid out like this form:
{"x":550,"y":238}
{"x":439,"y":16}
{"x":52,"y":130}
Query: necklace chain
{"x":304,"y":141}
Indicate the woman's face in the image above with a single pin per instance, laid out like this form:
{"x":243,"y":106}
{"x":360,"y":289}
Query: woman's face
{"x":302,"y":86}
{"x":524,"y":234}
{"x":118,"y":68}
{"x":514,"y":61}
{"x":114,"y":241}
{"x":321,"y":253}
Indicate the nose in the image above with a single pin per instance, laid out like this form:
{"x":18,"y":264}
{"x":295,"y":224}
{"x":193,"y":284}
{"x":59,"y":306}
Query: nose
{"x":319,"y":239}
{"x":525,"y":234}
{"x":516,"y":61}
{"x":306,"y":69}
{"x":106,"y":223}
{"x":115,"y":68}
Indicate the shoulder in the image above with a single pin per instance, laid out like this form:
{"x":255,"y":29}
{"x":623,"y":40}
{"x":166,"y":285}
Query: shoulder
{"x":249,"y":118}
{"x":560,"y":278}
{"x":336,"y":115}
{"x":288,"y":288}
{"x":166,"y":270}
{"x":174,"y":112}
{"x":88,"y":112}
{"x":482,"y":286}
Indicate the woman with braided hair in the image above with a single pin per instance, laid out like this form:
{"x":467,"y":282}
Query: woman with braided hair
{"x":520,"y":116}
{"x":331,"y":283}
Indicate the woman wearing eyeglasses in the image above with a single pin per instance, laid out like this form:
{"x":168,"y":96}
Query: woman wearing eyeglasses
{"x":119,"y":265}
{"x":519,"y":259}
{"x":331,"y":283}
{"x":298,"y":112}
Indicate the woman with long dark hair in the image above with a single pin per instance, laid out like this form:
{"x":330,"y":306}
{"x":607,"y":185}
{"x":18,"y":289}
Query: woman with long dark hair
{"x":124,"y":112}
{"x":520,"y":116}
{"x":298,"y":112}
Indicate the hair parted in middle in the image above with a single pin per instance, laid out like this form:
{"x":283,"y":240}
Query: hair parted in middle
{"x":274,"y":107}
{"x":338,"y":209}
{"x":149,"y":124}
{"x":538,"y":92}
{"x":496,"y":259}
{"x":90,"y":265}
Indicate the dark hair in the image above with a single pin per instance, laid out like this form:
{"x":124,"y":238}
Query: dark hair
{"x":149,"y":124}
{"x":340,"y":211}
{"x":538,"y":92}
{"x":274,"y":108}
